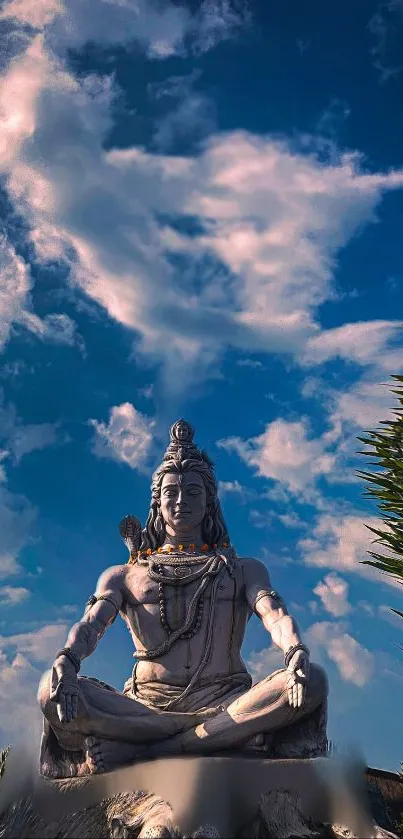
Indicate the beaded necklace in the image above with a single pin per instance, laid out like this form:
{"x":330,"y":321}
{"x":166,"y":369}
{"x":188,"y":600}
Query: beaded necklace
{"x":184,"y":573}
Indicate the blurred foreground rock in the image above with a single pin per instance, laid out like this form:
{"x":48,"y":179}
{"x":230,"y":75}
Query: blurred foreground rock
{"x":138,"y":814}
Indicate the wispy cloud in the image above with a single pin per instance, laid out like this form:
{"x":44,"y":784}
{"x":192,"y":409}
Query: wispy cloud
{"x":20,"y":439}
{"x":284,"y":452}
{"x":362,"y":342}
{"x":261,"y":664}
{"x":230,"y":488}
{"x":16,"y":519}
{"x":386,"y":28}
{"x":13,"y":595}
{"x":354,"y":662}
{"x":341,"y":542}
{"x":333,"y":118}
{"x":189,"y":115}
{"x":22,"y":659}
{"x":333,"y":592}
{"x":127,"y":437}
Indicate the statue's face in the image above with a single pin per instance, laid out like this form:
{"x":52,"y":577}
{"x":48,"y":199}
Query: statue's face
{"x":181,"y":432}
{"x":183,"y":501}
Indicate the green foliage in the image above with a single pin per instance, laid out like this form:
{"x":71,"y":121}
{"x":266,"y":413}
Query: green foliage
{"x":386,"y":487}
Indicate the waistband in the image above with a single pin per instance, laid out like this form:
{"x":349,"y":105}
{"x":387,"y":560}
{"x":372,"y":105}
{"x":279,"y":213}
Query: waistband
{"x":206,"y":693}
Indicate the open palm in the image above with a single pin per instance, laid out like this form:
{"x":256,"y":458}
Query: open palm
{"x":297,"y":677}
{"x":65,"y":692}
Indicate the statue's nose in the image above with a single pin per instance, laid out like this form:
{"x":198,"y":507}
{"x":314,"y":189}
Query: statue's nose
{"x":181,"y":501}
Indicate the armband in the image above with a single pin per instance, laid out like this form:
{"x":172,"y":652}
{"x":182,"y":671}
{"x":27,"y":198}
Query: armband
{"x":71,"y":656}
{"x":289,"y":654}
{"x":94,"y":599}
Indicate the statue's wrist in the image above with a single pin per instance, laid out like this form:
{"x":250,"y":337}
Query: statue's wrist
{"x":69,"y":655}
{"x":294,"y":649}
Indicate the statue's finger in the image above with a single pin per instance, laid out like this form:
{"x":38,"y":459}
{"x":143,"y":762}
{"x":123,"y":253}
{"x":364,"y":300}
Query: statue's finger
{"x":61,"y":708}
{"x":300,"y":695}
{"x":289,"y":691}
{"x":295,"y":696}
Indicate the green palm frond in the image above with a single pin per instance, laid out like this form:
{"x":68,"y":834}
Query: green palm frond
{"x":385,"y":486}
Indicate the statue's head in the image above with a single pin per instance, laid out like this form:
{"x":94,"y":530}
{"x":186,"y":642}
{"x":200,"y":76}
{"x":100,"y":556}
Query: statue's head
{"x":184,"y":494}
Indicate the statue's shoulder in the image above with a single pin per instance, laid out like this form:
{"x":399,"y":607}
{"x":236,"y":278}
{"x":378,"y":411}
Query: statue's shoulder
{"x":253,"y":569}
{"x":112,"y":579}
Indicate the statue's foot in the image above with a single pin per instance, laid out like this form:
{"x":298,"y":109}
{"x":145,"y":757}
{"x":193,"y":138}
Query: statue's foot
{"x":106,"y":755}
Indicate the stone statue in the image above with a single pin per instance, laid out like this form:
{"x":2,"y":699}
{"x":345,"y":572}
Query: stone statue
{"x":186,"y":598}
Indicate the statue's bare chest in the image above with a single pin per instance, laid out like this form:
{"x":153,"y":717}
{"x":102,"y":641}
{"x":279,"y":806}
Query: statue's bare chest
{"x":143,"y":590}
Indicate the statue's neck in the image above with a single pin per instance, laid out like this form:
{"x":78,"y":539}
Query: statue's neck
{"x":192,"y":540}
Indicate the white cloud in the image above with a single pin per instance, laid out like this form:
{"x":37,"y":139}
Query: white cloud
{"x":56,"y":328}
{"x":29,"y":438}
{"x":291,"y":519}
{"x":284,"y":453}
{"x":40,"y":645}
{"x":354,"y":662}
{"x":16,"y":518}
{"x":162,"y":30}
{"x":342,"y":542}
{"x":20,"y":439}
{"x":261,"y":664}
{"x":219,"y":20}
{"x":386,"y":28}
{"x":127,"y":436}
{"x":363,"y":342}
{"x":13,"y":595}
{"x":192,"y":117}
{"x":230,"y":488}
{"x":8,"y":565}
{"x":333,"y":592}
{"x":355,"y":409}
{"x":15,"y":284}
{"x":35,"y":13}
{"x":20,"y":655}
{"x":363,"y":405}
{"x":250,"y":362}
{"x":272,"y":215}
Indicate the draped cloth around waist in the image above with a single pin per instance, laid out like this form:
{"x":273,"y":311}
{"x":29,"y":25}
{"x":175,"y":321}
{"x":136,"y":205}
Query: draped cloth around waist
{"x":206,"y":693}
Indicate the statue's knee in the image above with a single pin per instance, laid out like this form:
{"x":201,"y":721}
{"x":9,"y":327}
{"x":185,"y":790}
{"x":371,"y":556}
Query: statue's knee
{"x":43,"y":694}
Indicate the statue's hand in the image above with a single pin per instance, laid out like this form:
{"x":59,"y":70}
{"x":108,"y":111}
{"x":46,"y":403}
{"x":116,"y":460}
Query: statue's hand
{"x":64,"y":689}
{"x":297,"y":677}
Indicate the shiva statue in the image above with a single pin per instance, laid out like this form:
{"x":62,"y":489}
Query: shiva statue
{"x":186,"y":598}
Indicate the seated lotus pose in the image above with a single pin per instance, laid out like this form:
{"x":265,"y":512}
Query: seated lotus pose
{"x":186,"y":598}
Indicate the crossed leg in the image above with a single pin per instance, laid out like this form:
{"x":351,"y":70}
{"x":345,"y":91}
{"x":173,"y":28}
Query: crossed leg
{"x":262,"y":709}
{"x":112,"y":728}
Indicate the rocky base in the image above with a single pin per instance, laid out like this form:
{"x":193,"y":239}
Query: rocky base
{"x":276,"y":814}
{"x":132,"y":815}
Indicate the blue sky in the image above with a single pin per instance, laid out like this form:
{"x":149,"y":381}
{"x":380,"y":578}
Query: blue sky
{"x":201,"y":216}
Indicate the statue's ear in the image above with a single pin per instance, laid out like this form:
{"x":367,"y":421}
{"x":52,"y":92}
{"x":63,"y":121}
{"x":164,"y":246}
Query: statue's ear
{"x":159,"y":523}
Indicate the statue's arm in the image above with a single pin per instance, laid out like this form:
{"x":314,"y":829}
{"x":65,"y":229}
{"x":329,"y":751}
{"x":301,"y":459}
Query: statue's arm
{"x":100,"y":612}
{"x":269,"y":606}
{"x":272,"y":611}
{"x":82,"y":639}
